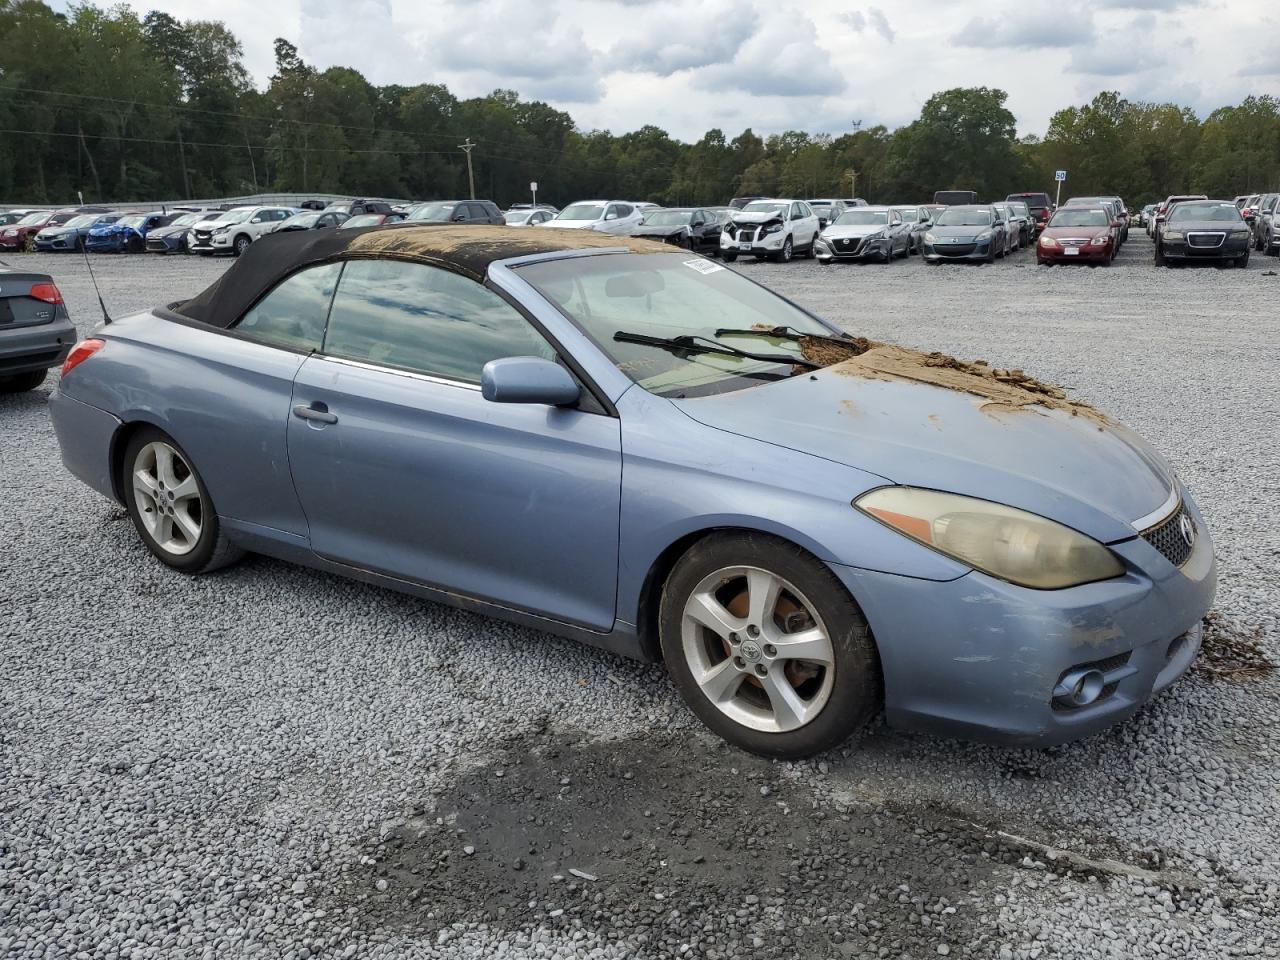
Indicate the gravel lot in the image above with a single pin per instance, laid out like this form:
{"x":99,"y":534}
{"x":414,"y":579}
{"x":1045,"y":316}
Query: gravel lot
{"x":275,"y":762}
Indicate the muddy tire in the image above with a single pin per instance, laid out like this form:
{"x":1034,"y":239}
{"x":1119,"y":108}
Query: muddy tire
{"x":728,"y":257}
{"x":767,"y":646}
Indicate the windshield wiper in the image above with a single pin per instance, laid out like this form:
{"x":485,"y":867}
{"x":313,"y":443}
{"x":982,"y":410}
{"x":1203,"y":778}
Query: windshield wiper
{"x":694,"y":344}
{"x":786,"y":333}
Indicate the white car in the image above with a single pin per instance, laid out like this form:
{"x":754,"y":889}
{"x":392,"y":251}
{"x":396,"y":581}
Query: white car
{"x":607,"y":216}
{"x":527,"y":218}
{"x":777,"y":229}
{"x":233,"y":230}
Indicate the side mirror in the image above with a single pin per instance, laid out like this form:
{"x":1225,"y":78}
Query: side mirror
{"x":460,"y":218}
{"x":528,"y":380}
{"x":611,"y":216}
{"x":256,"y":220}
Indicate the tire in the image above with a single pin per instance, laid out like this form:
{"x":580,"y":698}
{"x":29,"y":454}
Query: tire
{"x":888,"y":253}
{"x":195,"y":542}
{"x":1160,"y":262}
{"x":784,"y":255}
{"x":1258,"y":241}
{"x":821,"y":701}
{"x":991,"y":253}
{"x":240,"y":244}
{"x":728,"y":257}
{"x":811,"y":253}
{"x":22,"y":382}
{"x":1242,"y":261}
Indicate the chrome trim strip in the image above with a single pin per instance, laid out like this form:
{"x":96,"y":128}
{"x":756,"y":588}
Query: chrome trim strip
{"x":376,"y":368}
{"x":1160,"y":513}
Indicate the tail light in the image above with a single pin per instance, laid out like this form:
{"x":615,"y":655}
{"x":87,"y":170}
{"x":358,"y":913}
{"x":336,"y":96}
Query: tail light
{"x":81,"y":352}
{"x":47,"y":292}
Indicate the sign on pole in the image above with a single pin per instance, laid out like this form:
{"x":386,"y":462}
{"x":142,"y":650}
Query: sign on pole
{"x":1059,"y":176}
{"x":533,"y":189}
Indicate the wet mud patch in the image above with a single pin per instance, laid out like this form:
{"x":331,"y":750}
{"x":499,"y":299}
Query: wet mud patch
{"x":667,"y":841}
{"x":1229,"y":652}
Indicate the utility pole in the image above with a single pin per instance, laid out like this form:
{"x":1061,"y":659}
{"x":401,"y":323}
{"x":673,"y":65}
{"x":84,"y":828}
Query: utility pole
{"x":471,"y":177}
{"x":853,"y":183}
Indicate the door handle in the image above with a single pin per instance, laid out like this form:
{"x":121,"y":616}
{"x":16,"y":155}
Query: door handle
{"x":316,"y":412}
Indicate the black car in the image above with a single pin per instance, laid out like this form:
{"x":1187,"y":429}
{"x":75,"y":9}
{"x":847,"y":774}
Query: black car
{"x":355,"y":207}
{"x":1203,"y":230}
{"x":311,"y":220}
{"x":1039,"y":204}
{"x":737,"y":203}
{"x":458,"y":211}
{"x":694,"y":228}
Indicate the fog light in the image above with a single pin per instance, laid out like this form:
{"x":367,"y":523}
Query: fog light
{"x":1079,"y":688}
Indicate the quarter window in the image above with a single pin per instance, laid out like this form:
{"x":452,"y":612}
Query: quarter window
{"x":426,"y":320}
{"x":292,"y":315}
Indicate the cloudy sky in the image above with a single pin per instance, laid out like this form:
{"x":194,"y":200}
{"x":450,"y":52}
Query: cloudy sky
{"x":818,"y":65}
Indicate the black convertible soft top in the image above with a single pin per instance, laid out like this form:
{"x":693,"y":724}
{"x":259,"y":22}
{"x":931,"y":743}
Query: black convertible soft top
{"x":464,"y":249}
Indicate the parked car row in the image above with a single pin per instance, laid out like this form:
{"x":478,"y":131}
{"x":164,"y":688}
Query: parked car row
{"x":1261,"y":213}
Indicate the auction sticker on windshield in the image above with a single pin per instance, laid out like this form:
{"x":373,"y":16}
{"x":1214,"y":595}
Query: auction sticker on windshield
{"x":703,"y":266}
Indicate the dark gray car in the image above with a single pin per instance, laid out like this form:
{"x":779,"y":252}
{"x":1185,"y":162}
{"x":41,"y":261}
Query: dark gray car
{"x":458,"y":211}
{"x":971,"y":231}
{"x":35,"y":331}
{"x":1266,"y":224}
{"x":1203,"y":230}
{"x":918,"y":223}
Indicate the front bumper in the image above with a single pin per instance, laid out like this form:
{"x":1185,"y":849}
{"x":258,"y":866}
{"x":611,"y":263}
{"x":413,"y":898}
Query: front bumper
{"x":937,"y":252}
{"x":979,"y":658}
{"x":1086,"y":253}
{"x":753,"y":243}
{"x":15,"y":242}
{"x":166,"y":244}
{"x":63,"y":242}
{"x":38,"y":347}
{"x":1231,"y":248}
{"x":112,"y":244}
{"x":851,"y":248}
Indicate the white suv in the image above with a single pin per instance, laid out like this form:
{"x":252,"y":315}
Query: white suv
{"x":606,"y":216}
{"x":777,"y":229}
{"x":234,"y":230}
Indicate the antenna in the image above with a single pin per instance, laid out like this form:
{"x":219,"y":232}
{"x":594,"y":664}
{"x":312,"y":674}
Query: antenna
{"x":106,"y":317}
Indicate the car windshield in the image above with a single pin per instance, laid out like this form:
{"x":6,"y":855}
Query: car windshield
{"x":582,"y":211}
{"x":668,"y":218}
{"x":31,"y":219}
{"x":1215,"y":212}
{"x":364,"y":220}
{"x":517,"y":216}
{"x":670,"y":295}
{"x":432,"y":211}
{"x":861,"y":218}
{"x":81,"y":221}
{"x":964,"y":217}
{"x":233,"y":216}
{"x":188,"y":219}
{"x":1021,"y":209}
{"x":1080,"y":217}
{"x":133,"y":221}
{"x":820,"y":206}
{"x":908,"y":213}
{"x":304,"y":220}
{"x":757,"y":206}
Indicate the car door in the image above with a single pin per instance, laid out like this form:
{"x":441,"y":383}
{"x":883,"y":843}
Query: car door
{"x":402,"y":466}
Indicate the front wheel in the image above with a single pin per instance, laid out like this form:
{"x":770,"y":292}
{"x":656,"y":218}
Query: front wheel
{"x":170,"y":507}
{"x":784,"y":255}
{"x":767,"y":646}
{"x":728,"y":257}
{"x":1159,"y":260}
{"x":1243,"y":261}
{"x":241,"y":244}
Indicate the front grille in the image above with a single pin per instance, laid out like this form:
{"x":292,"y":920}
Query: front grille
{"x":202,"y":237}
{"x":849,"y":245}
{"x":1206,"y":239}
{"x":956,"y":249}
{"x":156,"y":245}
{"x":1168,"y":537}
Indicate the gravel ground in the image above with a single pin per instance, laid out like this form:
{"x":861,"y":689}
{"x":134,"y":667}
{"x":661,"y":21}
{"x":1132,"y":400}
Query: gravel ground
{"x":275,"y":762}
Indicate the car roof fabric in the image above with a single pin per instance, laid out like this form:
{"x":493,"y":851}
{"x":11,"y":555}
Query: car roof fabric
{"x":467,"y":249}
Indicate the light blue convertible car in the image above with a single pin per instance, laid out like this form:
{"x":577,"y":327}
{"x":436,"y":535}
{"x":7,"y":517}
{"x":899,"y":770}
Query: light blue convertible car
{"x":644,"y":450}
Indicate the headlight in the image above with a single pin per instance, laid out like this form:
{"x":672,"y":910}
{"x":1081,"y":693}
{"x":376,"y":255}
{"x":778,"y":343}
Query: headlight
{"x":774,"y":228}
{"x":1012,"y":544}
{"x":1173,"y":234}
{"x":1046,"y":241}
{"x":930,"y":238}
{"x":985,"y":235}
{"x":1101,"y":238}
{"x":222,"y":229}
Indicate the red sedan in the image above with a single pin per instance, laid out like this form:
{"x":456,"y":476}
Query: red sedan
{"x":1077,"y":233}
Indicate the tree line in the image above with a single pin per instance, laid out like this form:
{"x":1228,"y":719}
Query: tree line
{"x":121,"y":107}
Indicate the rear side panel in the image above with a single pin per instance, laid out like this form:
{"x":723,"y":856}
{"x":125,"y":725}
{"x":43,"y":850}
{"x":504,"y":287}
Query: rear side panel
{"x":224,"y":399}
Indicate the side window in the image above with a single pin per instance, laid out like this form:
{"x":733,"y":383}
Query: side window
{"x":292,"y":315}
{"x":426,"y":320}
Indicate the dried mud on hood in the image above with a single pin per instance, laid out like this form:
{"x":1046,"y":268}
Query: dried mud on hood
{"x":1000,"y":388}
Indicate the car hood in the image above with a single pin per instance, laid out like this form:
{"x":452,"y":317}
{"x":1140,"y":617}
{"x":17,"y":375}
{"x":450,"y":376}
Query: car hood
{"x":756,"y":217}
{"x":56,"y":231}
{"x":1090,"y":231}
{"x":965,"y":233}
{"x":169,"y":231}
{"x":841,"y":231}
{"x":659,"y":231}
{"x":107,"y":229}
{"x":1092,"y":475}
{"x":209,"y":225}
{"x":1208,"y":226}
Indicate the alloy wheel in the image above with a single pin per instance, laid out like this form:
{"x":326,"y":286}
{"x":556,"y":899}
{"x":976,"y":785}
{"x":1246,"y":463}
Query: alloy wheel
{"x":168,"y":498}
{"x":757,"y":649}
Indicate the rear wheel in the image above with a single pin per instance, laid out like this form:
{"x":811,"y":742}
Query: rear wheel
{"x":22,"y":382}
{"x":767,"y":647}
{"x":170,"y":507}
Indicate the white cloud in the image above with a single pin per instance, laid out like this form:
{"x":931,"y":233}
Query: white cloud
{"x":674,"y":36}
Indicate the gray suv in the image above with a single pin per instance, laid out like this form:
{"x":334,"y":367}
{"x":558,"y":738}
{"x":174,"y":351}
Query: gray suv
{"x":1266,"y":224}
